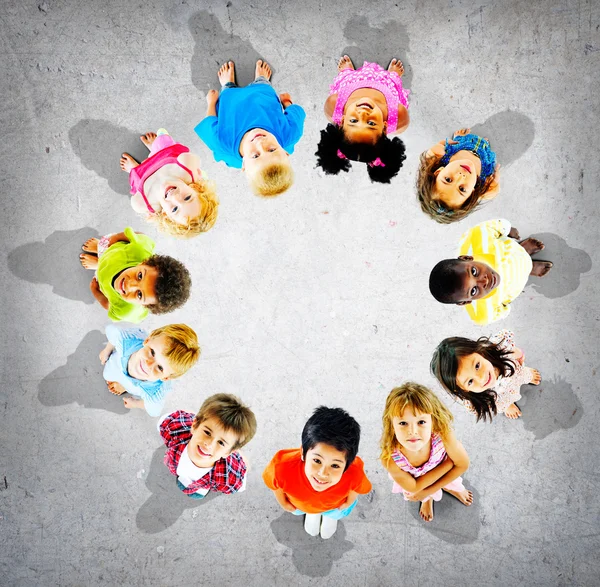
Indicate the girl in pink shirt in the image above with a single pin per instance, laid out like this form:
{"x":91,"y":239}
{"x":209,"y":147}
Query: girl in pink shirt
{"x":365,"y":107}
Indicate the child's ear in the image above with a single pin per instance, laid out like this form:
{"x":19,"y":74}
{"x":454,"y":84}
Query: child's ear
{"x":465,"y":258}
{"x":146,"y":341}
{"x":437,"y":171}
{"x":462,"y":303}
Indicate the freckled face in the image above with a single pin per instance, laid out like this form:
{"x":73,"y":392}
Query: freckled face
{"x":413,"y":431}
{"x":324,"y":466}
{"x":475,"y":374}
{"x":137,"y":285}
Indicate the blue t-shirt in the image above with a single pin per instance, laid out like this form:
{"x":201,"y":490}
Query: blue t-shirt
{"x":242,"y":109}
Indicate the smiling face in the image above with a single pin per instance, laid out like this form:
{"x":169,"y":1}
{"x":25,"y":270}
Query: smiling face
{"x":455,"y":182}
{"x":477,"y":281}
{"x":180,"y":202}
{"x":324,"y":466}
{"x":137,"y":285}
{"x":260,"y":149}
{"x":363,"y":121}
{"x":150,"y":362}
{"x":210,"y":442}
{"x":475,"y":374}
{"x":413,"y":431}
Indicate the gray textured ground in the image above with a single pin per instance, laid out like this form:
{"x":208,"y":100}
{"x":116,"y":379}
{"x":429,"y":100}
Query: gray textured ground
{"x":317,"y":297}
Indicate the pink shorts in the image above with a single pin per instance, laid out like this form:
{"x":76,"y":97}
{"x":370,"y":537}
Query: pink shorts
{"x":162,"y":141}
{"x":456,"y":485}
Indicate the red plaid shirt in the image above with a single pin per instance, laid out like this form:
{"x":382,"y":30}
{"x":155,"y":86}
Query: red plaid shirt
{"x":226,"y":476}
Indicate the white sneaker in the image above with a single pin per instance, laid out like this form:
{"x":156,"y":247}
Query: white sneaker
{"x":328,"y":527}
{"x":312,"y":523}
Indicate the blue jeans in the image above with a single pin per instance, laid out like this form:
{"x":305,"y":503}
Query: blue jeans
{"x":261,"y":79}
{"x":335,"y":514}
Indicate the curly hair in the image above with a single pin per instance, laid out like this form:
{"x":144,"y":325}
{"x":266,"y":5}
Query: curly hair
{"x":391,"y":152}
{"x":273,"y":180}
{"x":445,"y":280}
{"x":182,"y":348}
{"x":426,"y":193}
{"x":173,"y":284}
{"x":202,"y":223}
{"x":422,"y":401}
{"x":445,"y":363}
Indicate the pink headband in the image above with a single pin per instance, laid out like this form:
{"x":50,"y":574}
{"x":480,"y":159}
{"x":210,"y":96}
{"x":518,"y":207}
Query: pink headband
{"x":376,"y":163}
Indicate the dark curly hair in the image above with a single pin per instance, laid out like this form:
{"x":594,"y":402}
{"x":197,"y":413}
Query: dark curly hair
{"x":389,"y":151}
{"x":426,"y":193}
{"x":173,"y":284}
{"x":445,"y":280}
{"x":444,"y":367}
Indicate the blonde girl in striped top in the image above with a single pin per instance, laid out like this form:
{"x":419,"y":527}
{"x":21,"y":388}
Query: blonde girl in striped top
{"x":419,"y":449}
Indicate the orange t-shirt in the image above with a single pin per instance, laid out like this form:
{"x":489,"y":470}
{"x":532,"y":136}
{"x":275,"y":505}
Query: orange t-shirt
{"x":286,"y":472}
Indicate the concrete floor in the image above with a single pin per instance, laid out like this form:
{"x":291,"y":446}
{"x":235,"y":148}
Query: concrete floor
{"x":319,"y":296}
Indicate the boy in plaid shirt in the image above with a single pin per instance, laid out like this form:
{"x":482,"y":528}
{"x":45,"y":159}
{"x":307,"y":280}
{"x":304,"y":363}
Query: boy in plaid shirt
{"x":201,"y":448}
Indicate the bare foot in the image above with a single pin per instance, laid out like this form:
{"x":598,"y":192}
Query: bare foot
{"x":148,"y":139}
{"x":90,"y":246}
{"x":115,"y":388}
{"x":541,"y":268}
{"x":345,"y":63}
{"x":537,"y":377}
{"x":128,"y":162}
{"x":397,"y":66}
{"x":512,"y":412}
{"x":227,"y":73}
{"x":426,"y":511}
{"x":464,"y":496}
{"x":88,"y":260}
{"x":532,"y":245}
{"x":262,"y":68}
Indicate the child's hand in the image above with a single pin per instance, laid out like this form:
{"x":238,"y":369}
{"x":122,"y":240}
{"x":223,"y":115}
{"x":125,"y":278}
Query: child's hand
{"x":285,"y":99}
{"x":536,"y":377}
{"x":514,"y":233}
{"x":105,"y":354}
{"x":131,"y":402}
{"x":461,"y":132}
{"x":288,"y":507}
{"x":212,"y":97}
{"x":412,"y":497}
{"x":94,"y":285}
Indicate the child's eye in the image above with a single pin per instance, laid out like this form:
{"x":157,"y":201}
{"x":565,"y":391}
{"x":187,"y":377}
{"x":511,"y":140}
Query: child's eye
{"x":422,"y":422}
{"x":371,"y":123}
{"x":317,"y":461}
{"x":335,"y":466}
{"x":469,"y":383}
{"x":476,"y":366}
{"x":401,"y":423}
{"x":207,"y":433}
{"x":474,"y":271}
{"x":448,"y":179}
{"x":160,"y":368}
{"x":174,"y":210}
{"x":140,"y":276}
{"x":354,"y":120}
{"x":473,"y":292}
{"x":221,"y":443}
{"x":272,"y":149}
{"x":138,"y":293}
{"x":187,"y":199}
{"x":152,"y":352}
{"x":255,"y":156}
{"x":462,"y":190}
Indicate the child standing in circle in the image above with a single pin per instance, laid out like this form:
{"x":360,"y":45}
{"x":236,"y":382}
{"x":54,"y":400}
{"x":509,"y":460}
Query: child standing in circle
{"x":131,"y":280}
{"x":202,"y":450}
{"x":455,"y":175}
{"x":143,"y":364}
{"x":253,"y":129}
{"x":491,"y":270}
{"x":321,"y":480}
{"x":419,"y":449}
{"x":484,"y":375}
{"x":365,"y":107}
{"x":170,"y":189}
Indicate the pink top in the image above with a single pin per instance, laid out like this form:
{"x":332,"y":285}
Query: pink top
{"x":436,"y":456}
{"x":370,"y":75}
{"x":138,"y":175}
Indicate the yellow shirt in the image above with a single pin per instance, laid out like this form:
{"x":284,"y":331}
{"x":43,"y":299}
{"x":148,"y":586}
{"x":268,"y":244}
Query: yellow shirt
{"x":489,"y":243}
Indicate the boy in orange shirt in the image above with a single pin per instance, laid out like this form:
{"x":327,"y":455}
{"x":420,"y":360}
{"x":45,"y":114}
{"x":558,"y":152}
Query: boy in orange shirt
{"x":324,"y":477}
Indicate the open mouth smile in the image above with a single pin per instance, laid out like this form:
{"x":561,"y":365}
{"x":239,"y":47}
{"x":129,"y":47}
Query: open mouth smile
{"x":202,"y":453}
{"x":122,"y":286}
{"x":466,"y":168}
{"x":256,"y":136}
{"x":320,"y":482}
{"x":142,"y":368}
{"x":170,"y":189}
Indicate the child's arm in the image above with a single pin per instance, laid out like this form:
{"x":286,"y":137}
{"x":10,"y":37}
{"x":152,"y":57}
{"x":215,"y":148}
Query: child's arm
{"x":412,"y":485}
{"x":352,"y":496}
{"x":494,"y":187}
{"x":212,"y":98}
{"x":285,"y":99}
{"x":403,"y":121}
{"x":460,"y":459}
{"x":284,"y":502}
{"x":98,"y":295}
{"x":329,"y":106}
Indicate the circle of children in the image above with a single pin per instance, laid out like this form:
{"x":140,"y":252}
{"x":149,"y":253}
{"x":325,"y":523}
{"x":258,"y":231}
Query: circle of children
{"x":255,"y":130}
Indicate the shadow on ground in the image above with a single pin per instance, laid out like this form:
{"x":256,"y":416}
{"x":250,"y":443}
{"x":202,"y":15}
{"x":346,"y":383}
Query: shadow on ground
{"x":452,"y":521}
{"x":55,"y":261}
{"x":167,"y":502}
{"x":510,"y":134}
{"x":550,"y":406}
{"x":99,"y":145}
{"x":81,"y":380}
{"x":378,"y":45}
{"x":569,"y":264}
{"x":213,"y":47}
{"x":312,"y":556}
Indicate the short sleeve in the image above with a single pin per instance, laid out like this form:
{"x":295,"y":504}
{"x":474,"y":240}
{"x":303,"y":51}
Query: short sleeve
{"x":142,"y":240}
{"x":361,"y":483}
{"x":504,"y":340}
{"x":501,"y":311}
{"x":269,"y":476}
{"x":114,"y":334}
{"x":295,"y":116}
{"x":497,"y":228}
{"x":175,"y":425}
{"x":207,"y":131}
{"x":153,"y":404}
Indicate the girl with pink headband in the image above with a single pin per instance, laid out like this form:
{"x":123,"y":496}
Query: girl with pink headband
{"x":365,"y":106}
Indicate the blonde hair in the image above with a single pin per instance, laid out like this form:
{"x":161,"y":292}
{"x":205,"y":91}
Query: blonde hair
{"x":273,"y":180}
{"x":231,"y":413}
{"x":203,"y":222}
{"x":183,"y":350}
{"x":422,"y":401}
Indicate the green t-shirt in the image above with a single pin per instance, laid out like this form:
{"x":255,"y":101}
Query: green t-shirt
{"x":115,"y":259}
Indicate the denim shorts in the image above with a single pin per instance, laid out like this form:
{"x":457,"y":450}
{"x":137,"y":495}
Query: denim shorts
{"x":335,"y":514}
